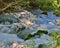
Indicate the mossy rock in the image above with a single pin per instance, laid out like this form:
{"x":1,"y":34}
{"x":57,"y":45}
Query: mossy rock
{"x":39,"y":33}
{"x":42,"y":31}
{"x":28,"y":35}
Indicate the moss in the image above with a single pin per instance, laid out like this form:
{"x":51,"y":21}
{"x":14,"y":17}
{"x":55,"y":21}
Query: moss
{"x":39,"y":33}
{"x":42,"y":31}
{"x":28,"y":36}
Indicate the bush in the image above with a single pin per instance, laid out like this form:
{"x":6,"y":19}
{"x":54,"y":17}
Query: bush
{"x":45,"y":5}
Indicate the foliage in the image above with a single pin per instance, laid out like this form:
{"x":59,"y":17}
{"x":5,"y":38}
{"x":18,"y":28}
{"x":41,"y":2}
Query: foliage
{"x":56,"y":36}
{"x":57,"y":12}
{"x":45,"y":5}
{"x":5,"y":4}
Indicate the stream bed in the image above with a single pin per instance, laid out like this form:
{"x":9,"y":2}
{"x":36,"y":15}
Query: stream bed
{"x":29,"y":30}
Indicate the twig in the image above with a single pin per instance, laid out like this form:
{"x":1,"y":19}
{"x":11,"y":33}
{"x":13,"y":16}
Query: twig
{"x":9,"y":5}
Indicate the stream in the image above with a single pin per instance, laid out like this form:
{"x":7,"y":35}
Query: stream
{"x":18,"y":26}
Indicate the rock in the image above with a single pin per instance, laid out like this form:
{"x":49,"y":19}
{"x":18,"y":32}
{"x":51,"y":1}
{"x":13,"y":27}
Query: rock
{"x":27,"y":23}
{"x":37,"y":34}
{"x":24,"y":33}
{"x":20,"y":17}
{"x":51,"y":23}
{"x":25,"y":17}
{"x":17,"y":45}
{"x":3,"y":45}
{"x":30,"y":33}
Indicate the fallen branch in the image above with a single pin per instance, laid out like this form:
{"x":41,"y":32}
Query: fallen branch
{"x":3,"y":9}
{"x":9,"y":5}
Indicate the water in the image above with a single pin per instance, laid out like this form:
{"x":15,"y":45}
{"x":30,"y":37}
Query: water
{"x":49,"y":20}
{"x":40,"y":22}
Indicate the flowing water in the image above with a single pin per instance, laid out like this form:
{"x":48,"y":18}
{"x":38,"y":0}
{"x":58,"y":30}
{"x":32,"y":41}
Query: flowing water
{"x":23,"y":24}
